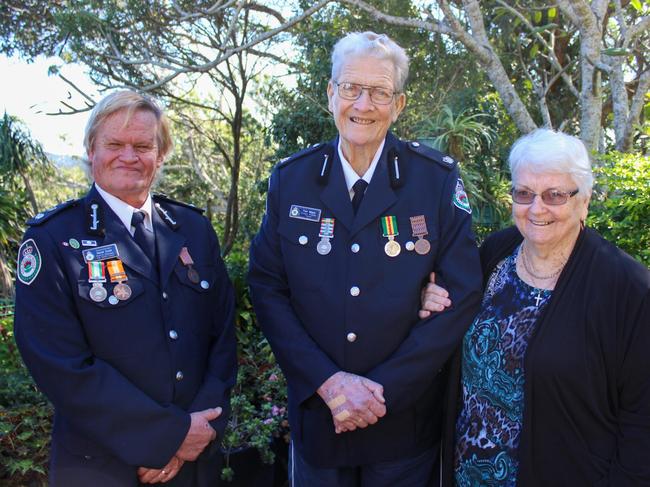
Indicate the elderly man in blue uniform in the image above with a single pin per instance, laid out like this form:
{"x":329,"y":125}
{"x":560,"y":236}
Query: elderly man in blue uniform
{"x":124,"y":316}
{"x":352,"y":230}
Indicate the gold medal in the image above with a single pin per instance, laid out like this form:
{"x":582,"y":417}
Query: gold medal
{"x":392,"y":248}
{"x":389,"y":230}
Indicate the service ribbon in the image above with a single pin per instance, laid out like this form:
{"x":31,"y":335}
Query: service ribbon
{"x":116,"y":270}
{"x":389,"y":226}
{"x":419,"y":226}
{"x":96,"y":272}
{"x":326,"y":228}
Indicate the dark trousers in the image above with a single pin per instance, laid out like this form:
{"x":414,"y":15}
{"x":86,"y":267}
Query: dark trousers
{"x":418,"y":471}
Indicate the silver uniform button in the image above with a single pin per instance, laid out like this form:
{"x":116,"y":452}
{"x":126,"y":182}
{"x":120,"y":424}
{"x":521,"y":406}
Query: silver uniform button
{"x":205,"y":284}
{"x":173,"y":334}
{"x":409,"y":245}
{"x":164,"y":295}
{"x":352,"y":337}
{"x":179,"y":375}
{"x":113,"y":300}
{"x":355,"y":248}
{"x":355,"y":291}
{"x":302,"y":240}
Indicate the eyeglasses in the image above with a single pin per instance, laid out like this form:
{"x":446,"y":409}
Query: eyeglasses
{"x":551,"y":197}
{"x":352,"y":91}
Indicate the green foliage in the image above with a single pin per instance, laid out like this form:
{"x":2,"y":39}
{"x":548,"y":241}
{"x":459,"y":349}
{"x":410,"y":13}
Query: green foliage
{"x":620,"y":204}
{"x":22,"y":165}
{"x":25,"y":418}
{"x":259,"y":398}
{"x":458,"y":134}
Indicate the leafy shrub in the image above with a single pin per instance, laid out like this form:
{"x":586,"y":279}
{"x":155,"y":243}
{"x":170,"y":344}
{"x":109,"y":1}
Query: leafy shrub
{"x":620,"y":204}
{"x":25,"y":419}
{"x":259,"y":398}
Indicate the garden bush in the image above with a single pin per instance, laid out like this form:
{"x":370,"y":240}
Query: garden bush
{"x":620,"y":204}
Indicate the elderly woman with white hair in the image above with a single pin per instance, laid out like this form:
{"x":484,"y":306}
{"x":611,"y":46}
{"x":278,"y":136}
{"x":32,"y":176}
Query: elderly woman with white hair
{"x":552,"y":383}
{"x":352,"y":230}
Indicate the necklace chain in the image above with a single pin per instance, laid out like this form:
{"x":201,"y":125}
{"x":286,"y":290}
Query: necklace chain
{"x":528,"y":266}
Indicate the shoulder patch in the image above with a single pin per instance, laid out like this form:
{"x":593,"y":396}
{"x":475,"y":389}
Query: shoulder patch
{"x":44,"y":216}
{"x":29,"y":262}
{"x":432,"y":154}
{"x":157,"y":197}
{"x":300,"y":154}
{"x":460,"y":197}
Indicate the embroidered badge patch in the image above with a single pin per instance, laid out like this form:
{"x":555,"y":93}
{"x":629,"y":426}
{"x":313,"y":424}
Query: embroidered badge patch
{"x":29,"y":262}
{"x":460,"y":197}
{"x":305,"y":213}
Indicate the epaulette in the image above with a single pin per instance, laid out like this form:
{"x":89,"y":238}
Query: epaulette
{"x":430,"y":153}
{"x":167,"y":199}
{"x":44,"y":216}
{"x":298,"y":155}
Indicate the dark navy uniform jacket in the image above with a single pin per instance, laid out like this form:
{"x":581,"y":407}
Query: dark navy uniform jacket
{"x":355,"y":309}
{"x":124,"y":377}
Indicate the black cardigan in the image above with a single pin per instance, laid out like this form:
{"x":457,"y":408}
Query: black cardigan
{"x":587,"y":392}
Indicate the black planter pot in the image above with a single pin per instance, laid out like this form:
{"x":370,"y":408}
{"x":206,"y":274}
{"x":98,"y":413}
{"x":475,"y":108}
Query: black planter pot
{"x":250,"y":471}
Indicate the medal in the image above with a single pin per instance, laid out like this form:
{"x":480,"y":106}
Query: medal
{"x":98,"y":293}
{"x":389,"y":229}
{"x":193,"y":275}
{"x":121,"y":291}
{"x":187,"y":261}
{"x":324,"y":247}
{"x":96,"y":276}
{"x":419,"y":227}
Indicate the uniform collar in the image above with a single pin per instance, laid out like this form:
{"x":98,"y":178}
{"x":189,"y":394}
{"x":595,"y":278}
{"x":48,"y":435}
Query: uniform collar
{"x":350,"y":174}
{"x":124,"y":211}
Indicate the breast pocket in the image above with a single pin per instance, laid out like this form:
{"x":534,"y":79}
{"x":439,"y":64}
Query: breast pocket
{"x":408,"y":271}
{"x":196,"y":294}
{"x":306,"y":268}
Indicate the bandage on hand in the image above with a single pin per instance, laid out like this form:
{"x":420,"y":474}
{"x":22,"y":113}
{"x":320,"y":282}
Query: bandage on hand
{"x":354,"y":401}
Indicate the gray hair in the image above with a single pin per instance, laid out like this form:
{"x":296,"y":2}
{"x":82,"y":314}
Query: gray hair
{"x":379,"y":46}
{"x":547,"y":151}
{"x":132,"y":102}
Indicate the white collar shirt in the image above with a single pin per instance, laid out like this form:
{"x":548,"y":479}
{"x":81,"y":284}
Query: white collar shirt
{"x":350,"y":174}
{"x":124,"y":211}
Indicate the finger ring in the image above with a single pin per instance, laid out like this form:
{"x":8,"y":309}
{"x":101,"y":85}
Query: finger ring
{"x":164,"y":472}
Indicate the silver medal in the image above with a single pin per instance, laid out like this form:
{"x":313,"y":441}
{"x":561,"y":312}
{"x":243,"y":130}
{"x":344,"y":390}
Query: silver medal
{"x":324,"y":247}
{"x":98,"y":292}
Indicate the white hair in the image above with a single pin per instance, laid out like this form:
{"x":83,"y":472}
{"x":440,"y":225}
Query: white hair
{"x":547,"y":151}
{"x":379,"y":46}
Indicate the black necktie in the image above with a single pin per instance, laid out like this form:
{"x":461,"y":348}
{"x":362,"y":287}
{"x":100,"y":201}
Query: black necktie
{"x":359,"y":189}
{"x":143,"y":237}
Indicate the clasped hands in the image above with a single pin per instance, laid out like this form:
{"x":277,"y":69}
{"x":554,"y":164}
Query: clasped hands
{"x":196,"y":440}
{"x":354,"y":401}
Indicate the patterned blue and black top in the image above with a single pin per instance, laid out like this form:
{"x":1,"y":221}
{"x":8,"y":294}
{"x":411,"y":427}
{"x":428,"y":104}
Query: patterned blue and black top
{"x":494,"y":347}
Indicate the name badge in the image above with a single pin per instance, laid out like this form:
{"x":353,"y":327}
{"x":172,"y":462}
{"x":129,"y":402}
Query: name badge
{"x":305,"y":213}
{"x":104,"y":252}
